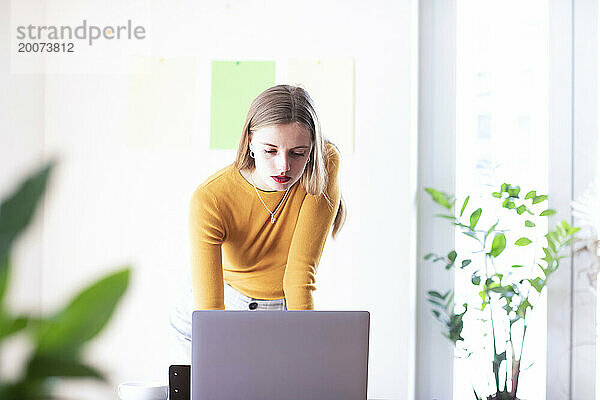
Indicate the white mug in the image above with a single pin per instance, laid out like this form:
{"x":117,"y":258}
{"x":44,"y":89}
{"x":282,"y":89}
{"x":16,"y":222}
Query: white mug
{"x":143,"y":391}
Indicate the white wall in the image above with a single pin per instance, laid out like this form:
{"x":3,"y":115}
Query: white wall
{"x":21,"y":148}
{"x":112,"y":204}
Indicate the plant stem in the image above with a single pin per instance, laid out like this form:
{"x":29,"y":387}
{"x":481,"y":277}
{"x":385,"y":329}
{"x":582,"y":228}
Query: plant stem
{"x":506,"y":366}
{"x":513,"y":362}
{"x":516,"y":363}
{"x":517,"y":367}
{"x":497,"y":373}
{"x":495,"y":370}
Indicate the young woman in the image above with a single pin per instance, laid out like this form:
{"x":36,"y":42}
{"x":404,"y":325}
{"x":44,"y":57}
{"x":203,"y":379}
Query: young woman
{"x":258,"y":226}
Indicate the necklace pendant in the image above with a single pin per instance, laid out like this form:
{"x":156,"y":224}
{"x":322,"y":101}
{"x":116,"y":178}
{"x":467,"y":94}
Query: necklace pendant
{"x":272,"y":219}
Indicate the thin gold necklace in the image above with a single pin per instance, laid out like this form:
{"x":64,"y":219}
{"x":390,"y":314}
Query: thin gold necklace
{"x":261,"y":200}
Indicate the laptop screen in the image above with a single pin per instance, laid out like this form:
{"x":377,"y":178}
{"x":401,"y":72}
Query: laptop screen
{"x":274,"y":355}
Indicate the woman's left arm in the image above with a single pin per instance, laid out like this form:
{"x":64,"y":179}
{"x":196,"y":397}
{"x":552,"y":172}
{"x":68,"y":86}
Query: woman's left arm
{"x":313,"y":226}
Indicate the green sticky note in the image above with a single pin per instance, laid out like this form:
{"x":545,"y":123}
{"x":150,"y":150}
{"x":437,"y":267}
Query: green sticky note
{"x":234,"y":85}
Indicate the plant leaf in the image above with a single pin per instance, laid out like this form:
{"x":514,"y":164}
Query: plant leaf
{"x":529,"y":224}
{"x":446,"y":216}
{"x":539,"y":199}
{"x":54,"y":366}
{"x":84,"y":317}
{"x":491,"y":229}
{"x":436,"y":294}
{"x":26,"y":389}
{"x":475,"y":218}
{"x":522,"y":241}
{"x":530,"y":195}
{"x":498,"y":245}
{"x":4,"y":278}
{"x":452,"y":255}
{"x":538,"y":283}
{"x":17,"y":210}
{"x":547,"y":212}
{"x":514,"y":191}
{"x":522,"y":310}
{"x":10,"y":325}
{"x":465,"y":263}
{"x":483,"y":294}
{"x":443,"y":199}
{"x":464,"y":205}
{"x":508,"y":203}
{"x":569,"y":230}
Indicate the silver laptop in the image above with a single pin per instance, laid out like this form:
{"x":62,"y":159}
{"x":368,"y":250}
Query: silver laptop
{"x":277,"y":355}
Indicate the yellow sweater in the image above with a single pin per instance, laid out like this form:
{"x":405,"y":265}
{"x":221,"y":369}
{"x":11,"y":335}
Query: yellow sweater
{"x":233,"y":240}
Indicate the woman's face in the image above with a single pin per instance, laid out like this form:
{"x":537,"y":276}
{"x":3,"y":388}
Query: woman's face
{"x":280,"y":155}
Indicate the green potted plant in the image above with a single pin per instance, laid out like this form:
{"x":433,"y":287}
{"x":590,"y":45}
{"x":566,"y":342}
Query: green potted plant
{"x":507,"y":286}
{"x":57,"y":339}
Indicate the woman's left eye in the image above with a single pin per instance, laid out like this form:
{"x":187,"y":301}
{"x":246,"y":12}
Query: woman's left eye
{"x":299,"y":154}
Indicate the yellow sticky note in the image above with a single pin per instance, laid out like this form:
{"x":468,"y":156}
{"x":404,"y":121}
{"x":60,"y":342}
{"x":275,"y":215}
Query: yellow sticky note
{"x":161,"y":102}
{"x":330,"y":83}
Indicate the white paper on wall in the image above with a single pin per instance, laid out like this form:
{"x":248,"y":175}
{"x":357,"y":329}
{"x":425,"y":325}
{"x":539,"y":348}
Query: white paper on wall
{"x":330,"y":82}
{"x":161,"y":102}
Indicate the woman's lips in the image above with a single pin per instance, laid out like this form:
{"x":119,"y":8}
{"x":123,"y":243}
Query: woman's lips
{"x":281,"y":179}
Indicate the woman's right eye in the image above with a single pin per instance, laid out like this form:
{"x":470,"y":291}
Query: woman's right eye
{"x":270,"y":151}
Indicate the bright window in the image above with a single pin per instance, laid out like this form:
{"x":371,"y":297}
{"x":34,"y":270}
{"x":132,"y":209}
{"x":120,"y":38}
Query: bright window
{"x":501,"y":136}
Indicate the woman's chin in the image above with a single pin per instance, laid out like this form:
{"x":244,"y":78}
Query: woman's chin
{"x":279,"y":186}
{"x":275,"y":185}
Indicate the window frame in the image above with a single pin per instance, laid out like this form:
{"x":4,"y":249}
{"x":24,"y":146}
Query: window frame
{"x":573,"y":155}
{"x":436,"y":168}
{"x":573,"y":151}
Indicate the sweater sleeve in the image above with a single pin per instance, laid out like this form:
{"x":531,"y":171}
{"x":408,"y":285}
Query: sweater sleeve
{"x":314,"y":222}
{"x":207,"y":233}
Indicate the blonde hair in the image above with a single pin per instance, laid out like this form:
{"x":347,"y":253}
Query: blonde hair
{"x":281,"y":105}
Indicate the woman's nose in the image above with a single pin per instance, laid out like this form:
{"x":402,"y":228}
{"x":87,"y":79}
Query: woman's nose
{"x":283,"y":164}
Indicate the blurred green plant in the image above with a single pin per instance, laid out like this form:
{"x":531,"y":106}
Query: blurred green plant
{"x":503,"y":288}
{"x":58,"y":339}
